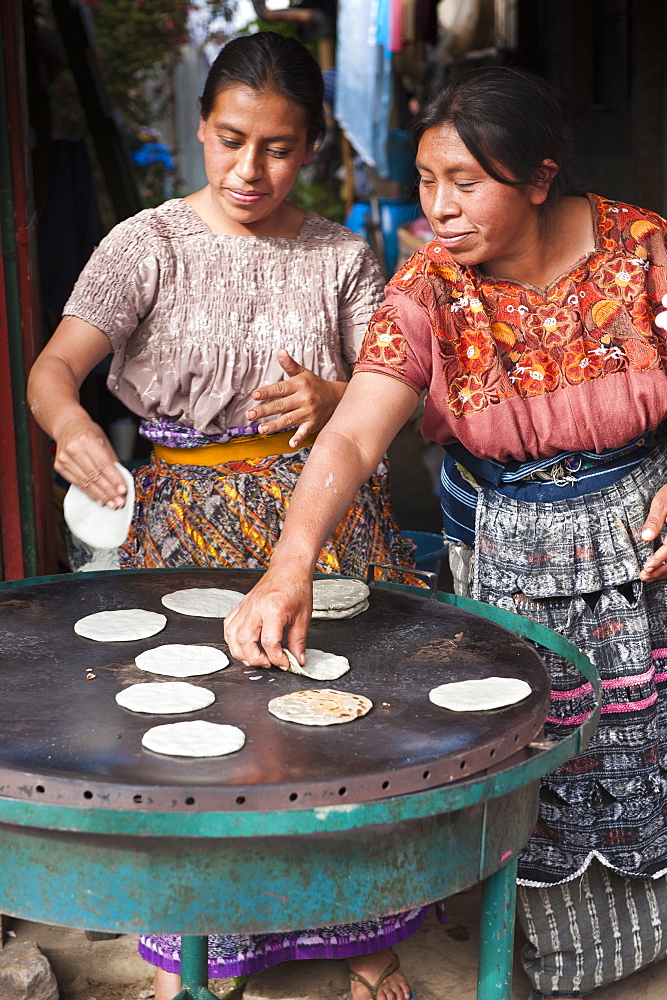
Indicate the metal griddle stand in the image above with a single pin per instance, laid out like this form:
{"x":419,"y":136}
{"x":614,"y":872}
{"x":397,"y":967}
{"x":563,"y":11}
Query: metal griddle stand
{"x":114,"y":869}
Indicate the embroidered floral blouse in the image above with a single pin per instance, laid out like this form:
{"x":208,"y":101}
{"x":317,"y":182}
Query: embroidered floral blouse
{"x":517,"y":372}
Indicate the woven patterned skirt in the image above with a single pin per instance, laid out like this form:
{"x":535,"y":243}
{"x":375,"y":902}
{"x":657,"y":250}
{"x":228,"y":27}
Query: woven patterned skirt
{"x":573,"y":566}
{"x":231,"y":516}
{"x":245,"y":954}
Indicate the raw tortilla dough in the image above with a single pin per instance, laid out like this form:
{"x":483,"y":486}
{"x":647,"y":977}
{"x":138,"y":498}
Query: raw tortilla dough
{"x":349,"y":613}
{"x":320,"y":666}
{"x":194,"y":739}
{"x":177,"y":660}
{"x":120,"y":626}
{"x":207,"y":602}
{"x":164,"y":698}
{"x":94,"y":524}
{"x":326,"y":707}
{"x":480,"y":695}
{"x":338,"y":595}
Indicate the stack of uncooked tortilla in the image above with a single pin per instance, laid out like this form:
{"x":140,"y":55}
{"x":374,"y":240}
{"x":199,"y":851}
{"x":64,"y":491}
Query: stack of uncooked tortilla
{"x":339,"y":598}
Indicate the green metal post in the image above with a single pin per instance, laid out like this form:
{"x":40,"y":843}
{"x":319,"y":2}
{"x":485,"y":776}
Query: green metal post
{"x":496,"y":934}
{"x":194,"y":968}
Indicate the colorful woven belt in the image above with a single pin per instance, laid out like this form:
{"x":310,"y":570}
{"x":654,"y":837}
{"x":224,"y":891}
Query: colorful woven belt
{"x":256,"y":446}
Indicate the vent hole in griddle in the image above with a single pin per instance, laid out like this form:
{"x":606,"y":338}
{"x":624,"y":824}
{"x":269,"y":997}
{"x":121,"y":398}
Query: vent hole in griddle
{"x":463,"y":764}
{"x":87,"y":795}
{"x":426,"y":775}
{"x":492,"y":752}
{"x":385,"y":784}
{"x":342,"y":791}
{"x":138,"y":799}
{"x":293,"y":796}
{"x":190,"y":800}
{"x":39,"y":788}
{"x":516,"y":737}
{"x":240,"y":799}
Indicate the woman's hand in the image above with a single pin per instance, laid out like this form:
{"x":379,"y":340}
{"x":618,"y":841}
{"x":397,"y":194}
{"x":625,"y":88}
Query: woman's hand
{"x":304,"y":399}
{"x":254,"y":629}
{"x":85,"y":457}
{"x":655,"y":567}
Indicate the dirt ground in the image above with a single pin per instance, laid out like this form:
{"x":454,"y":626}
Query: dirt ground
{"x":440,"y":962}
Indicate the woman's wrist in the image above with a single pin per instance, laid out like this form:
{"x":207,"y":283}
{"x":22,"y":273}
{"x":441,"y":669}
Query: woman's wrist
{"x":69,"y":418}
{"x":297,"y":559}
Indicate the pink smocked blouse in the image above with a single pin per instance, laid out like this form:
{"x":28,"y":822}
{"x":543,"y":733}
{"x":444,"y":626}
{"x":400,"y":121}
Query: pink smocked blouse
{"x":195,"y":319}
{"x":518,"y":372}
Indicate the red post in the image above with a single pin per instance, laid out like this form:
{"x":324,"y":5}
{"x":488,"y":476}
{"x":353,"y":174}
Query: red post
{"x":42,"y":557}
{"x":10,"y":507}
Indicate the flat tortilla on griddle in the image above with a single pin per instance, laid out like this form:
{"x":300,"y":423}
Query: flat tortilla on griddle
{"x":120,"y":626}
{"x":194,"y":739}
{"x":164,"y":698}
{"x":177,"y":659}
{"x":326,"y":707}
{"x":481,"y":695}
{"x":203,"y":602}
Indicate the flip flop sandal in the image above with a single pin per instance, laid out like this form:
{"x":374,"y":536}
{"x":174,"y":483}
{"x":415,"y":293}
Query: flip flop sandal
{"x":374,"y":987}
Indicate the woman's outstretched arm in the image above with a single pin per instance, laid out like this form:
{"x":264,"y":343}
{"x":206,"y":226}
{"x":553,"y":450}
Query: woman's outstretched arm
{"x":347,"y":451}
{"x":84,"y":455}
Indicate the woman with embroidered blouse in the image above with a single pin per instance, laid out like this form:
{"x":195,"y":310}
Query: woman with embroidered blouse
{"x":233,"y":318}
{"x":530,"y":320}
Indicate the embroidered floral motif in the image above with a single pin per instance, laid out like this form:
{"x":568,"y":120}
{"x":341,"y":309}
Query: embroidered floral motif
{"x":581,"y":361}
{"x":537,"y":373}
{"x":408,"y":274}
{"x":466,"y":394}
{"x":549,"y":327}
{"x":474,"y":351}
{"x":384,"y":343}
{"x":642,"y":317}
{"x":619,"y":278}
{"x":641,"y":356}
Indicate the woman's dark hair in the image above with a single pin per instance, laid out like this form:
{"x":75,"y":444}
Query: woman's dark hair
{"x":269,"y":61}
{"x":510,"y":122}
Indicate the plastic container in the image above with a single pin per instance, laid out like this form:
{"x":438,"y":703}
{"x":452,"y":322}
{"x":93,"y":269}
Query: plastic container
{"x":431,"y":550}
{"x":394,"y":212}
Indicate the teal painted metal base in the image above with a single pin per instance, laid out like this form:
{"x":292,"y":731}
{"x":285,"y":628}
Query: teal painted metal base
{"x":253,"y":872}
{"x":194,"y":969}
{"x":194,"y":966}
{"x":496,"y":934}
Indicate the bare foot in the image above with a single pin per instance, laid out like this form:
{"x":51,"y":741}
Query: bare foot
{"x":166,"y":984}
{"x":371,"y":967}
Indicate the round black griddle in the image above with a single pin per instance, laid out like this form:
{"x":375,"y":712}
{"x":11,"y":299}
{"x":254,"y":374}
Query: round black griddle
{"x":63,"y":738}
